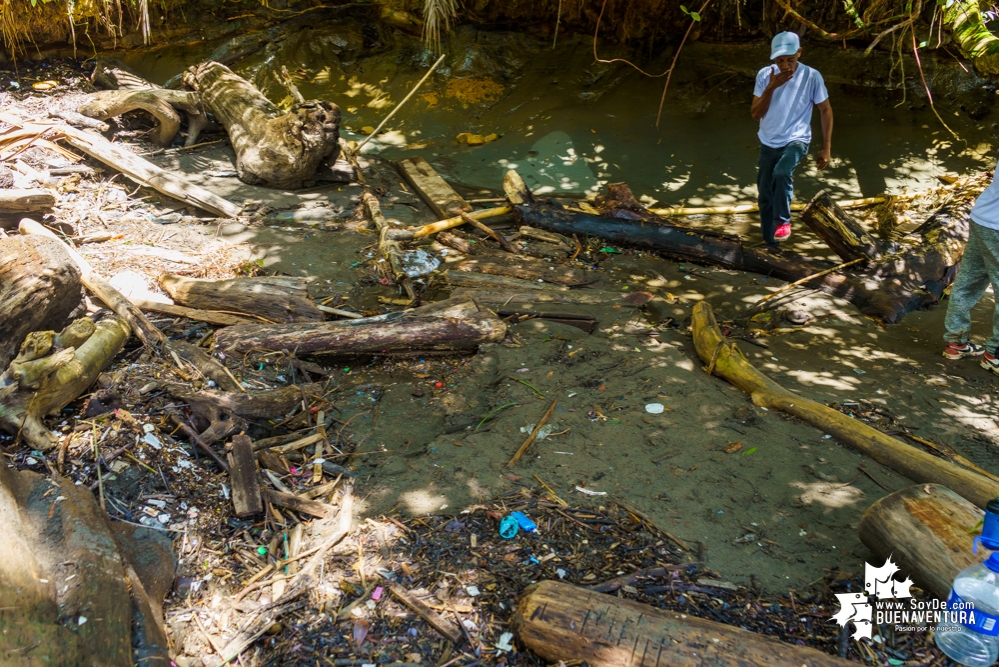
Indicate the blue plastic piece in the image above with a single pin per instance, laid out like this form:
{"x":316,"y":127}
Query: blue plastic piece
{"x":508,"y":527}
{"x":525,"y":523}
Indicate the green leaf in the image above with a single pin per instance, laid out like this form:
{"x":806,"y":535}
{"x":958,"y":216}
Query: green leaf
{"x":695,"y":16}
{"x":922,"y":44}
{"x":749,"y":451}
{"x":684,"y":9}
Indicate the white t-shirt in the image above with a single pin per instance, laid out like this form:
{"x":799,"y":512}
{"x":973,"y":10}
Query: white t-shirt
{"x":790,"y":114}
{"x":986,"y":209}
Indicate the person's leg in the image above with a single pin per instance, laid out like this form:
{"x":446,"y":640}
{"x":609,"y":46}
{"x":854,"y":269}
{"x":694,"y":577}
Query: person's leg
{"x":989,"y":240}
{"x":764,"y":185}
{"x":969,"y":286}
{"x":783,"y":184}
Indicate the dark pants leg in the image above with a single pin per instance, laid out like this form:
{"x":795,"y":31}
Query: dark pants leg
{"x":775,"y":183}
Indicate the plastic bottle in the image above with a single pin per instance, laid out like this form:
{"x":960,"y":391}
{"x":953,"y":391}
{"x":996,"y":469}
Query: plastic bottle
{"x":974,"y":640}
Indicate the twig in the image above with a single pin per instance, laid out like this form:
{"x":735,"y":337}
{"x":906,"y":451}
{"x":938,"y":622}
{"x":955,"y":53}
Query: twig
{"x":196,"y":439}
{"x":399,"y":106}
{"x":534,"y":434}
{"x":808,"y":278}
{"x":676,"y":55}
{"x":488,"y":231}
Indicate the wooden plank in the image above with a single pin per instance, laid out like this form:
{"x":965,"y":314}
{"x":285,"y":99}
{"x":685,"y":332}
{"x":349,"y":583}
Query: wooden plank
{"x":209,"y":316}
{"x":559,"y":621}
{"x":245,"y":487}
{"x":299,"y":504}
{"x":434,"y":190}
{"x":439,"y":623}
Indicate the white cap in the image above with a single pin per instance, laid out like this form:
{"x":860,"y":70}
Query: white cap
{"x":784,"y":44}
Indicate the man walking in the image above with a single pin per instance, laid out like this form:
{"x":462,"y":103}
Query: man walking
{"x":785,"y":93}
{"x":979,"y":267}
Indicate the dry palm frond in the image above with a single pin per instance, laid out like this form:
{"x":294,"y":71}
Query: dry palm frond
{"x":437,"y":17}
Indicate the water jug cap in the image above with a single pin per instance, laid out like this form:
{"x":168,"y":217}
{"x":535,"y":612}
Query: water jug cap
{"x":992,"y":562}
{"x":990,"y":528}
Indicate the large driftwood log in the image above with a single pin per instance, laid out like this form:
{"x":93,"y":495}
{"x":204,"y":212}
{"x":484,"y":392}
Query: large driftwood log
{"x":727,"y":361}
{"x":160,"y":103}
{"x":39,"y":290}
{"x":66,"y":575}
{"x":267,"y":404}
{"x":839,"y":230}
{"x":277,"y":299}
{"x":560,"y":622}
{"x":274,"y":148}
{"x":51,"y":371}
{"x":453,"y":325}
{"x":928,"y":531}
{"x":897,"y":284}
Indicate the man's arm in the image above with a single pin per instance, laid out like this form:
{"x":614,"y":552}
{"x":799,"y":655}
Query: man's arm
{"x":826,"y":116}
{"x":761,"y":104}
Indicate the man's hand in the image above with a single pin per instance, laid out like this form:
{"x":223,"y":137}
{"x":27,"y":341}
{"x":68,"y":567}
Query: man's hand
{"x":779,"y":79}
{"x":822,"y":159}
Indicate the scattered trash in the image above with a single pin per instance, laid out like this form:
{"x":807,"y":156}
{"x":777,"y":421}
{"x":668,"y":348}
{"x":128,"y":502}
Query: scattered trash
{"x":524,"y":522}
{"x":655,"y":408}
{"x":508,"y":527}
{"x":419,"y":263}
{"x":504,"y":642}
{"x":591,"y":493}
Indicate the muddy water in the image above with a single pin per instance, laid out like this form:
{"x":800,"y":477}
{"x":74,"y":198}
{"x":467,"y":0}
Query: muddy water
{"x":783,"y":508}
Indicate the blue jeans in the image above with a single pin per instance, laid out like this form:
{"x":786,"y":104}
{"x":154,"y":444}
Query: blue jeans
{"x":979,"y":268}
{"x":775,"y":182}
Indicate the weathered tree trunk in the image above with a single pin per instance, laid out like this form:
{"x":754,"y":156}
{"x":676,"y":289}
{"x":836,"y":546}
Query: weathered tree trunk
{"x":273,"y":148}
{"x":267,"y":404}
{"x":562,"y":622}
{"x":39,"y":290}
{"x":455,"y":326}
{"x":278,"y":299}
{"x":928,"y":531}
{"x":839,"y":230}
{"x":160,"y":103}
{"x":525,"y":268}
{"x":727,"y":361}
{"x":65,"y":579}
{"x":51,"y":371}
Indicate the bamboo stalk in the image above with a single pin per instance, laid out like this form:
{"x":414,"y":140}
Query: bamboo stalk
{"x":751,"y":208}
{"x":457,"y":221}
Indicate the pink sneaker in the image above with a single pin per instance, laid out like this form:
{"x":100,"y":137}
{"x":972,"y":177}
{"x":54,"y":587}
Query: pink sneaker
{"x":783,"y":232}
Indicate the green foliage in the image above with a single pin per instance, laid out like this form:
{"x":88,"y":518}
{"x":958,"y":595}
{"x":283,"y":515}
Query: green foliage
{"x":693,"y":15}
{"x":851,"y":11}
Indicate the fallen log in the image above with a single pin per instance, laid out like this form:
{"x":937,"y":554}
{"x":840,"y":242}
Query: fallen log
{"x":51,"y":371}
{"x":840,"y":231}
{"x":928,"y":531}
{"x":562,"y":622}
{"x":136,"y":168}
{"x":489,"y":281}
{"x":727,"y":361}
{"x":274,"y":148}
{"x":901,"y":282}
{"x":458,"y":326}
{"x":272,"y":298}
{"x":160,"y":103}
{"x":267,"y":404}
{"x":89,"y":620}
{"x":25,"y":201}
{"x":39,"y":290}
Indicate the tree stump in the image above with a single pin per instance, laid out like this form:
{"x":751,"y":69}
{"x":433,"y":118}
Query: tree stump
{"x":928,"y":531}
{"x":562,"y":622}
{"x":273,"y":147}
{"x":39,"y":290}
{"x":839,"y":230}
